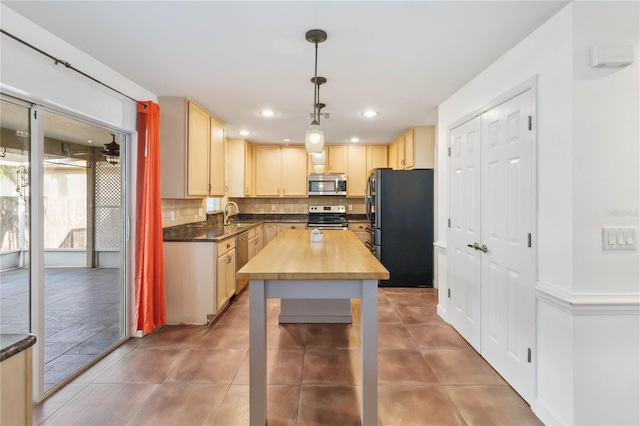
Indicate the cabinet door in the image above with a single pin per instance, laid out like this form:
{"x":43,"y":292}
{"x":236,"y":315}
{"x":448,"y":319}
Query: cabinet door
{"x":198,"y":140}
{"x":253,"y":249}
{"x":401,"y":159}
{"x":230,"y":274}
{"x":270,"y":232}
{"x":267,"y":170}
{"x":359,"y":229}
{"x":294,"y":171}
{"x":376,"y":157}
{"x":337,"y":159}
{"x":393,"y":155}
{"x":216,"y":160}
{"x":221,"y":277}
{"x":357,"y":172}
{"x":409,"y":150}
{"x":248,"y":175}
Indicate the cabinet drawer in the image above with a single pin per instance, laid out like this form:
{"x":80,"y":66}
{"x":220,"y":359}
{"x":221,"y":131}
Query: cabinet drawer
{"x":357,"y":226}
{"x":226,"y":245}
{"x":285,"y":226}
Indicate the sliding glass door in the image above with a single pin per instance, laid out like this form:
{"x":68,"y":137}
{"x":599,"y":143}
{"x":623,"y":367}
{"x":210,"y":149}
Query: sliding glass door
{"x":71,"y":280}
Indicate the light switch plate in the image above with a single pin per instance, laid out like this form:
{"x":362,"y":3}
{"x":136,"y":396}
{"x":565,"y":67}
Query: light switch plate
{"x":619,"y":238}
{"x":200,"y":212}
{"x":172,"y":216}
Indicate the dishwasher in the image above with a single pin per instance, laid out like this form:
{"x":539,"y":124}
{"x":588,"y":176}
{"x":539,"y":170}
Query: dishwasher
{"x":242,"y":257}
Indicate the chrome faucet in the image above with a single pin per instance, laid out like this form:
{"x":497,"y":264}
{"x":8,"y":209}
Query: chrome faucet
{"x":226,"y":215}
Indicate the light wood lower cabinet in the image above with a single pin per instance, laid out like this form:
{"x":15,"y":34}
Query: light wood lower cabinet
{"x":226,"y":271}
{"x":271,"y":230}
{"x":16,"y":395}
{"x":198,"y":281}
{"x":360,"y":229}
{"x":256,"y":240}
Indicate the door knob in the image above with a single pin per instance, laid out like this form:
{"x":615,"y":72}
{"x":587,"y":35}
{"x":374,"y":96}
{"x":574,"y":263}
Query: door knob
{"x":483,"y":248}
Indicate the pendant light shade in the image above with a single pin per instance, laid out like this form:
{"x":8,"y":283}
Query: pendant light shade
{"x":314,"y":140}
{"x":319,"y":159}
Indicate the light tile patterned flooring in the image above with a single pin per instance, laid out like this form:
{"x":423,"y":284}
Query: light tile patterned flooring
{"x":81,"y":309}
{"x":190,"y":375}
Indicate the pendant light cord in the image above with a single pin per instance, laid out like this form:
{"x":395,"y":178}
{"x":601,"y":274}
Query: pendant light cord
{"x":315,"y":88}
{"x":71,"y":67}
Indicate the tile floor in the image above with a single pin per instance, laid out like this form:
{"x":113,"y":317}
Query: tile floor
{"x":191,"y":375}
{"x":82,"y":314}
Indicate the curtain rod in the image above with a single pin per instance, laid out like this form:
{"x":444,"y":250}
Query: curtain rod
{"x":66,"y":64}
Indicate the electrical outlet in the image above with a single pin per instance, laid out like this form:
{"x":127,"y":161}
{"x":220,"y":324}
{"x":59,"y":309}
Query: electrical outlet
{"x":273,"y":207}
{"x":350,"y":207}
{"x":172,"y":216}
{"x":200,"y":212}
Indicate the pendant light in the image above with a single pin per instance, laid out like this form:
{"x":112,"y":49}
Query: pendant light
{"x":111,"y":151}
{"x":314,"y":139}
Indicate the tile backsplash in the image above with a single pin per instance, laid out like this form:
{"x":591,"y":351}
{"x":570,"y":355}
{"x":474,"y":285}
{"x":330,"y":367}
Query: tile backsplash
{"x":188,"y":211}
{"x":296,"y":205}
{"x":184,"y":211}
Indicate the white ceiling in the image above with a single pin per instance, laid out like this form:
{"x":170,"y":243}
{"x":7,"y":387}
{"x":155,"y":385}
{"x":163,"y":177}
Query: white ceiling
{"x":236,"y":58}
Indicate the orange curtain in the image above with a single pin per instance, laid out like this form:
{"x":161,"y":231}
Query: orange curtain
{"x":149,"y":281}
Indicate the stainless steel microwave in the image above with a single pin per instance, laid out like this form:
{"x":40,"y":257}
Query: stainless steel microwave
{"x":327,"y":184}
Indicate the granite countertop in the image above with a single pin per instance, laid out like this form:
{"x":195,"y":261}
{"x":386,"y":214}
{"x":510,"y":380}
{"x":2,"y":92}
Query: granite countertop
{"x":214,"y":231}
{"x":12,"y":344}
{"x":211,"y":234}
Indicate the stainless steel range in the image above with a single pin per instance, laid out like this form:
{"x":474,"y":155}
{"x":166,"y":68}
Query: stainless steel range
{"x":328,"y":217}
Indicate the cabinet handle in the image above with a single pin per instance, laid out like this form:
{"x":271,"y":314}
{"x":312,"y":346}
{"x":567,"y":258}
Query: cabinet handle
{"x":228,"y":258}
{"x":228,"y":245}
{"x":293,"y":227}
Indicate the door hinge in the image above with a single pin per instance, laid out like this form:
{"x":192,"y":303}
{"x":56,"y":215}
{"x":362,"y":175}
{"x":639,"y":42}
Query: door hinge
{"x":448,"y":292}
{"x":449,"y":223}
{"x":529,"y":240}
{"x":530,"y":122}
{"x":528,"y":354}
{"x":35,"y":114}
{"x":449,"y":151}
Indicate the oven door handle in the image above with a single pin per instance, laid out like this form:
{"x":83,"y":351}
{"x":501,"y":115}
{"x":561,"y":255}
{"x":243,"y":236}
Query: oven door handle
{"x":370,"y":246}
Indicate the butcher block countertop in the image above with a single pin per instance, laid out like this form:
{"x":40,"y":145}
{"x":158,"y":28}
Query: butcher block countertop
{"x":293,"y":256}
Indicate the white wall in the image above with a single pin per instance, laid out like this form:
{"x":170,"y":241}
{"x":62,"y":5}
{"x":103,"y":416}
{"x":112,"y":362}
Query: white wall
{"x":35,"y":77}
{"x":587,"y":153}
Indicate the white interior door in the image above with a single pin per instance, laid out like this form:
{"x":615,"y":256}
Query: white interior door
{"x":465,"y":261}
{"x":508,"y":311}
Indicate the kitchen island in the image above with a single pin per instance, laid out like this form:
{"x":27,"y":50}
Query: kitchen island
{"x":294,"y":267}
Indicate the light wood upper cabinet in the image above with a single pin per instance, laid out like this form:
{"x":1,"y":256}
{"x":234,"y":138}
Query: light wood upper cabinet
{"x":415,"y":149}
{"x":401,"y":153}
{"x":191,"y":150}
{"x":268,"y":170}
{"x":198,"y":140}
{"x":337,"y":156}
{"x":357,"y":171}
{"x":280,"y":171}
{"x":376,"y":157}
{"x":294,"y":171}
{"x":409,"y":150}
{"x":239,"y":153}
{"x":217,"y":186}
{"x":393,"y":155}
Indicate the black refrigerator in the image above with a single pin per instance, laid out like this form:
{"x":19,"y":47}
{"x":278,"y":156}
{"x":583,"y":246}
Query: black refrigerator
{"x":399,"y":205}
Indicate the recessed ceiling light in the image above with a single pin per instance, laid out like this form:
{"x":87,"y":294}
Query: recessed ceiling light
{"x":370,"y":114}
{"x":286,"y":140}
{"x":267,"y":113}
{"x":89,"y":141}
{"x":354,"y":140}
{"x":244,"y":132}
